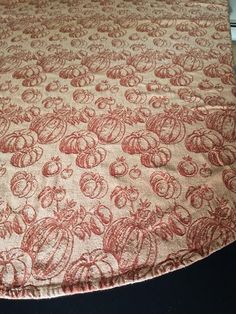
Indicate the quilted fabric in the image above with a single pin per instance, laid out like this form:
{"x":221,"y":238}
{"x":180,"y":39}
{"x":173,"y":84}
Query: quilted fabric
{"x":117,"y":141}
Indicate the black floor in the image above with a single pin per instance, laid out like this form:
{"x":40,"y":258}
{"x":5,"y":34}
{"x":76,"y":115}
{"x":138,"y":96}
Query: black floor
{"x":206,"y":287}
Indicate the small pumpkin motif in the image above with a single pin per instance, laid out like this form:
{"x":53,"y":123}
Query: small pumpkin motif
{"x":18,"y":140}
{"x":168,"y":71}
{"x":31,"y":96}
{"x":26,"y":157}
{"x":23,"y":184}
{"x":181,"y":80}
{"x":144,"y":62}
{"x":91,"y":158}
{"x":135,"y":96}
{"x":120,"y":71}
{"x":222,"y":155}
{"x":82,"y":96}
{"x":131,"y":80}
{"x":93,"y":185}
{"x":82,"y":80}
{"x":78,"y":142}
{"x":119,"y":167}
{"x":165,"y":185}
{"x":229,"y":179}
{"x":73,"y":71}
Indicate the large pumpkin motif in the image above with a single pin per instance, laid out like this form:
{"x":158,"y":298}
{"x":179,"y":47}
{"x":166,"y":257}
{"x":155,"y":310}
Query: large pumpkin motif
{"x":78,"y":142}
{"x":120,"y":71}
{"x":49,"y":127}
{"x":189,"y":62}
{"x":93,"y":185}
{"x":108,"y":128}
{"x":169,"y":128}
{"x":132,"y":243}
{"x":51,"y":63}
{"x":139,"y":142}
{"x":144,"y":62}
{"x":165,"y":185}
{"x":49,"y":242}
{"x":97,"y":63}
{"x":96,"y":263}
{"x":15,"y":268}
{"x":203,"y":140}
{"x":91,"y":158}
{"x":223,"y":121}
{"x":18,"y":140}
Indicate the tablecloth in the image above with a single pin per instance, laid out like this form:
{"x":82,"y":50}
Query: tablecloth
{"x":117,"y":141}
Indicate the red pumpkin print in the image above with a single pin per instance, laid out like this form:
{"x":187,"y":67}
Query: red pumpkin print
{"x":78,"y":142}
{"x":49,"y":241}
{"x":229,"y":179}
{"x":124,"y":195}
{"x":34,"y":80}
{"x":73,"y":71}
{"x":91,"y":157}
{"x":53,"y":86}
{"x":97,"y":63}
{"x":49,"y":127}
{"x":135,"y":172}
{"x":15,"y":268}
{"x":205,"y":233}
{"x":131,"y":242}
{"x":82,"y":80}
{"x":82,"y":96}
{"x":228,"y":79}
{"x":181,"y":80}
{"x":188,"y":95}
{"x":52,"y":167}
{"x":23,"y":184}
{"x":51,"y":63}
{"x":9,"y":63}
{"x":28,"y":213}
{"x":156,"y":157}
{"x":159,"y":42}
{"x":198,"y":195}
{"x":203,"y":140}
{"x":131,"y":80}
{"x":216,"y":70}
{"x":187,"y":167}
{"x":222,"y":155}
{"x":108,"y":128}
{"x":4,"y":126}
{"x":120,"y":71}
{"x":142,"y":63}
{"x":169,"y":128}
{"x":103,"y":102}
{"x":66,"y":173}
{"x":165,"y":185}
{"x":119,"y":167}
{"x":205,"y":171}
{"x":168,"y":71}
{"x":102,"y":86}
{"x":139,"y":142}
{"x":179,"y":219}
{"x":222,"y":27}
{"x":93,"y":185}
{"x":31,"y":96}
{"x":158,"y":101}
{"x":135,"y":96}
{"x":18,"y":140}
{"x":27,"y":72}
{"x":26,"y":157}
{"x":78,"y":275}
{"x":224,"y":122}
{"x":189,"y":62}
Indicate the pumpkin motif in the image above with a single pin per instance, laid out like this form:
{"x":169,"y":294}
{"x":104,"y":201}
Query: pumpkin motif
{"x":224,"y":122}
{"x":4,"y":125}
{"x":169,"y":128}
{"x":82,"y":96}
{"x":139,"y":142}
{"x":119,"y":167}
{"x":73,"y":71}
{"x":168,"y":71}
{"x":79,"y":273}
{"x":23,"y":184}
{"x":131,"y":80}
{"x":220,"y":156}
{"x":26,"y":157}
{"x":18,"y":140}
{"x":97,"y":63}
{"x":49,"y":127}
{"x":82,"y":80}
{"x":120,"y":71}
{"x":156,"y":157}
{"x":229,"y":179}
{"x":34,"y":80}
{"x":91,"y":158}
{"x":108,"y":128}
{"x":181,"y":80}
{"x":93,"y":185}
{"x":189,"y":62}
{"x":130,"y":236}
{"x":27,"y":72}
{"x":135,"y":96}
{"x":15,"y":268}
{"x":165,"y":185}
{"x":31,"y":96}
{"x":144,"y":62}
{"x":199,"y":195}
{"x":203,"y":140}
{"x":51,"y":63}
{"x":49,"y":242}
{"x":78,"y":142}
{"x":9,"y":63}
{"x":216,"y":70}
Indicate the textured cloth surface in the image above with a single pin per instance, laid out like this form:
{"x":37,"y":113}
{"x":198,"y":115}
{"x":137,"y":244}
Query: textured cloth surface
{"x":117,"y":141}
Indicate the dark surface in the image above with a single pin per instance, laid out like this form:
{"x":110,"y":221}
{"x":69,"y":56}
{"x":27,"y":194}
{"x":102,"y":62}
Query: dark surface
{"x":205,"y":287}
